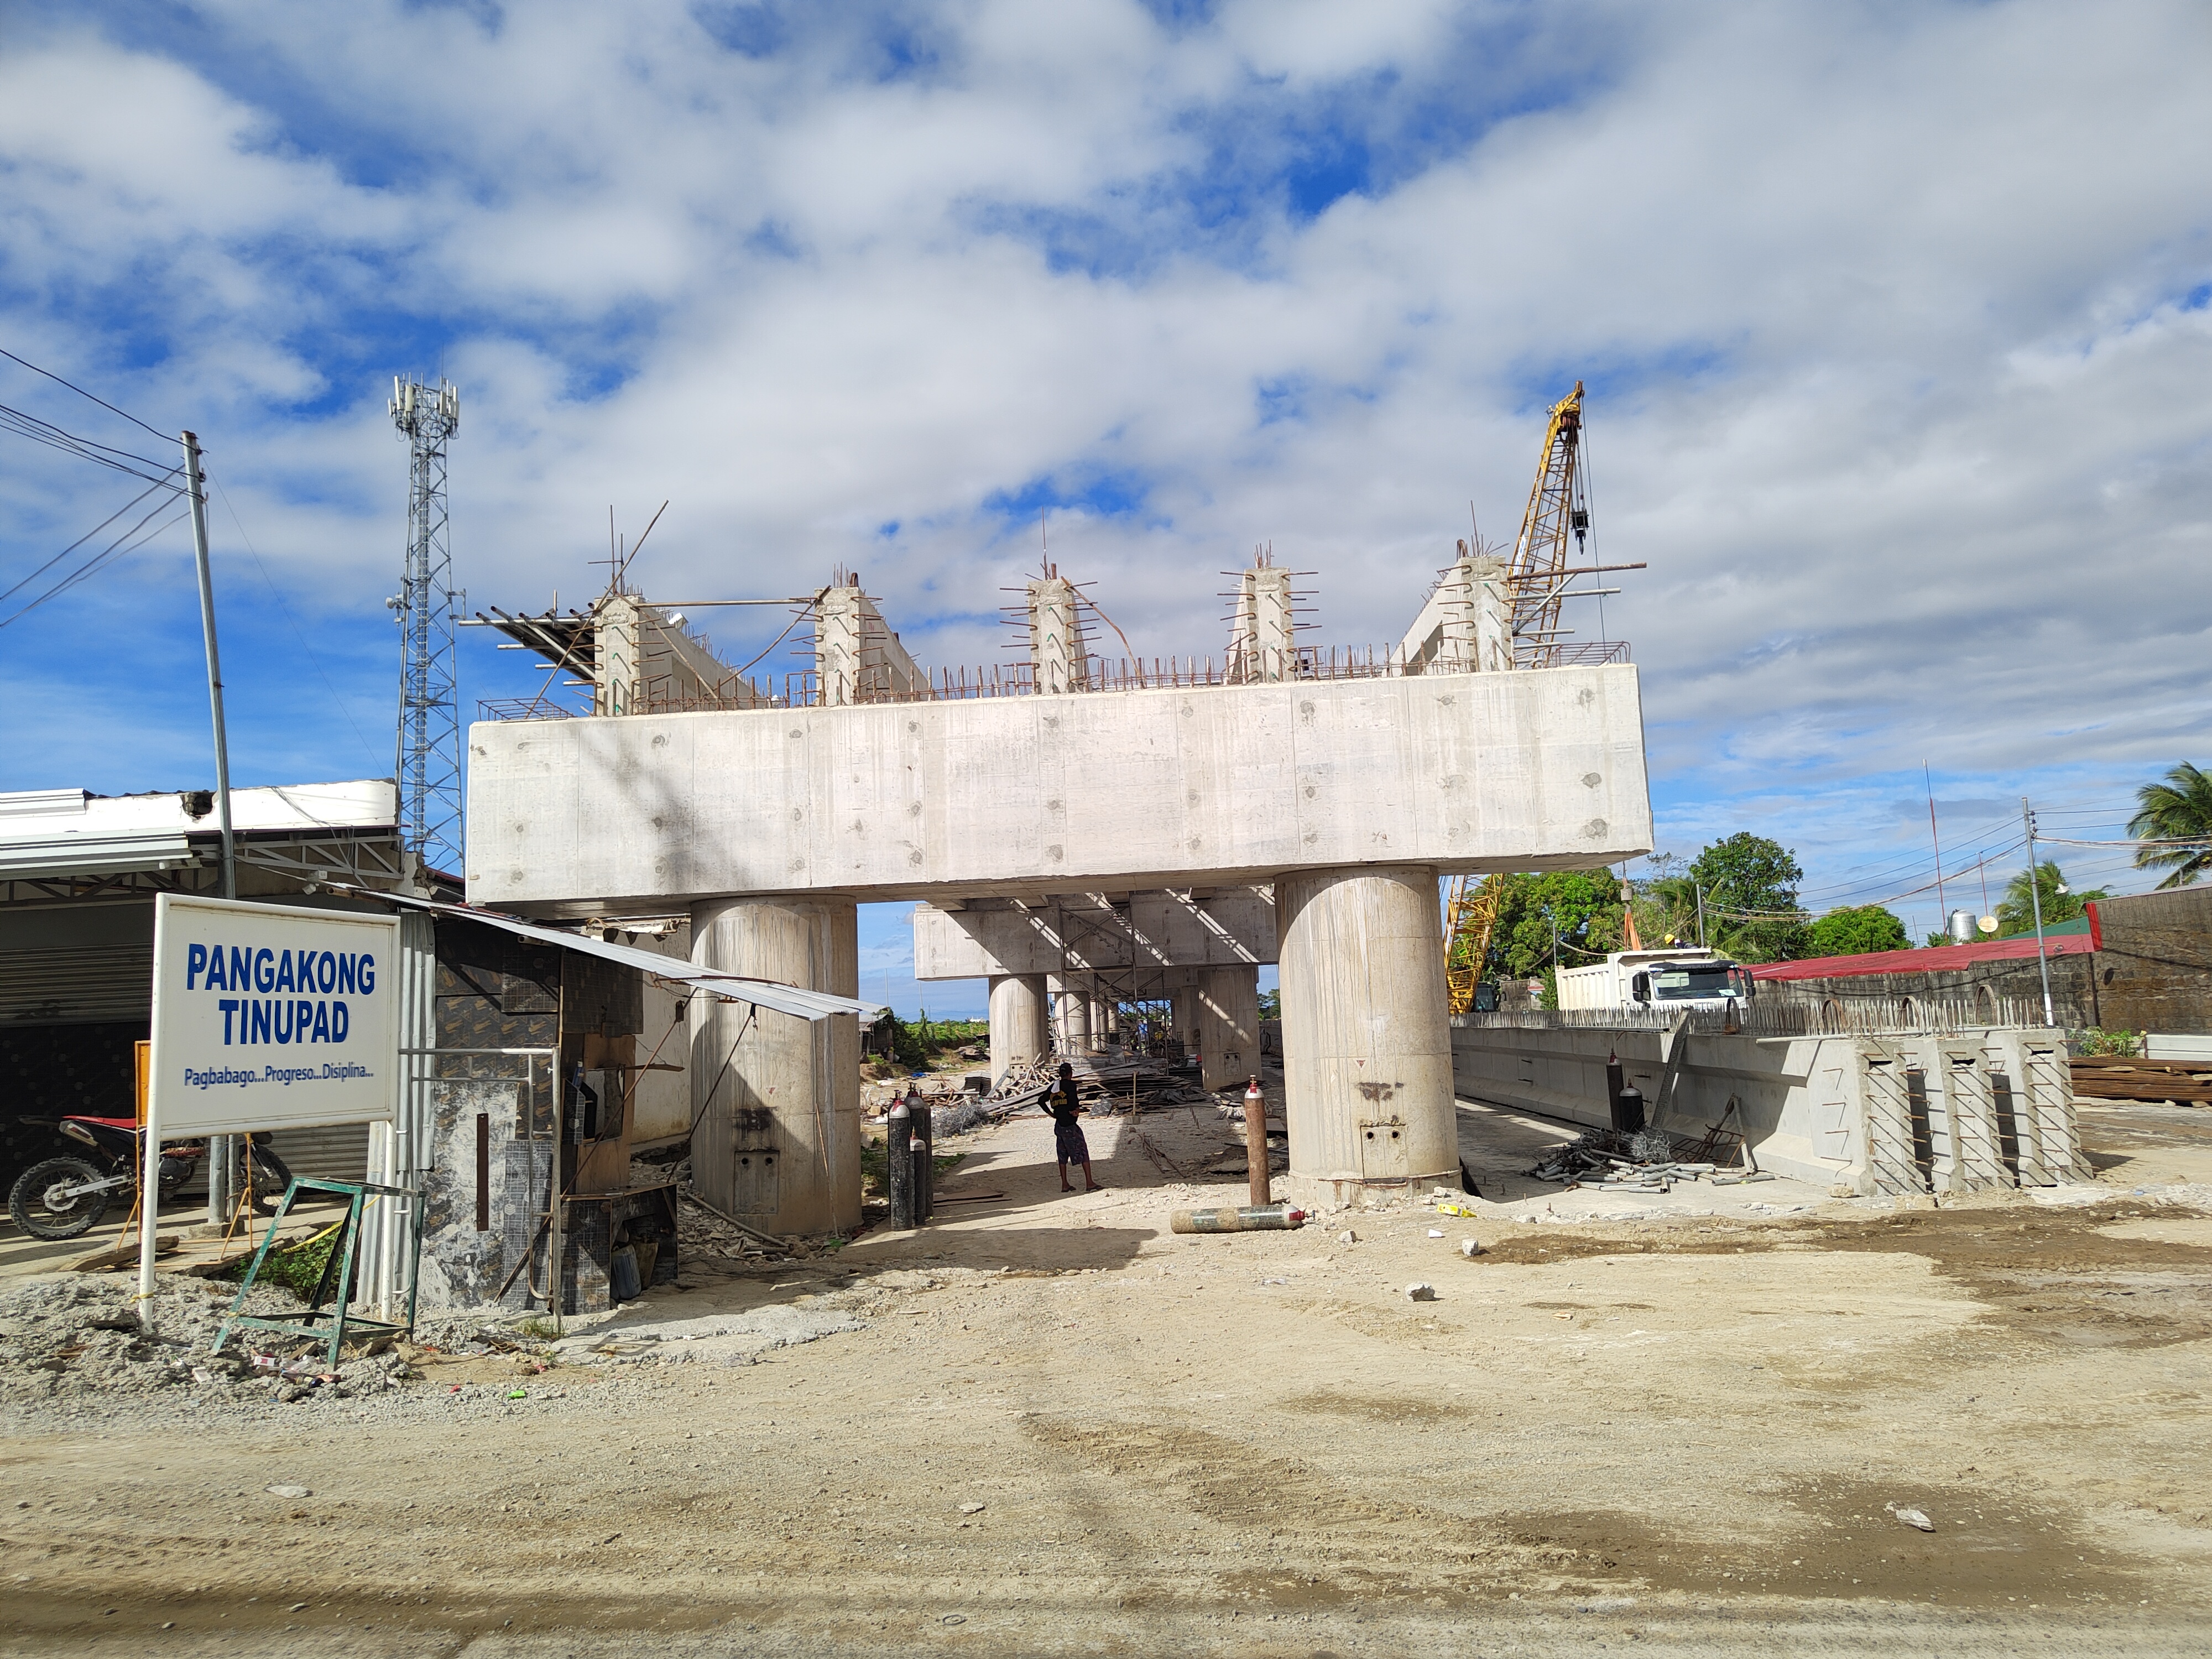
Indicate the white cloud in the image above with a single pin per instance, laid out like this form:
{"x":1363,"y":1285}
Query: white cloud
{"x":1894,"y":385}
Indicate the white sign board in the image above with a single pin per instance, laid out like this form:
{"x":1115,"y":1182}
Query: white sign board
{"x":271,"y":1017}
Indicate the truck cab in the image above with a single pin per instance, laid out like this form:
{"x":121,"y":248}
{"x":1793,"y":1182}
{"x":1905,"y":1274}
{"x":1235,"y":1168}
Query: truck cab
{"x":1708,"y":983}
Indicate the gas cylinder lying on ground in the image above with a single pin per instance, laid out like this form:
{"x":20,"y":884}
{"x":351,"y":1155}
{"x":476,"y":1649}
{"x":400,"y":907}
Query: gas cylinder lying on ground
{"x":1249,"y":1218}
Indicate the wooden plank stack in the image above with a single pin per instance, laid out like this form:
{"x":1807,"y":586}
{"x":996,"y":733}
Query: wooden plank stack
{"x":2117,"y":1077}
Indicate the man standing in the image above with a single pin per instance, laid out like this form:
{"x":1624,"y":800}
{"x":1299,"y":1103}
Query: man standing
{"x":1067,"y":1142}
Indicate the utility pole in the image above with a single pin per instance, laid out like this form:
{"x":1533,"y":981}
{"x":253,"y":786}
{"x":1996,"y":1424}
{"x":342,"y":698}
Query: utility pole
{"x":2035,"y":897}
{"x":219,"y":1153}
{"x":1701,"y":893}
{"x":195,"y":489}
{"x":1942,"y":912}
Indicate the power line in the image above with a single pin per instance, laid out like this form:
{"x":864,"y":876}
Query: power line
{"x":40,"y":430}
{"x":128,"y":543}
{"x":82,"y":392}
{"x":79,"y":541}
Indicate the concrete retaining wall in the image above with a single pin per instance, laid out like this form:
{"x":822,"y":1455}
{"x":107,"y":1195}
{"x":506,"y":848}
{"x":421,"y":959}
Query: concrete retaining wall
{"x":1866,"y":1114}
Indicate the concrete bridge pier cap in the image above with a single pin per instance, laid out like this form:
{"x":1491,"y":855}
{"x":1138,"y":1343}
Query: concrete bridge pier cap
{"x":777,"y":1098}
{"x":1367,"y":1070}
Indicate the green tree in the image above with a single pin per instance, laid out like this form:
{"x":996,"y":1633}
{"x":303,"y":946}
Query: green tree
{"x":1854,"y":930}
{"x":1750,"y":887}
{"x":1582,"y":905}
{"x":1271,"y":1004}
{"x":2180,"y":806}
{"x":2016,"y":911}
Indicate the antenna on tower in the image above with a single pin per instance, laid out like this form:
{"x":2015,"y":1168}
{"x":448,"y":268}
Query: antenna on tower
{"x":429,"y":755}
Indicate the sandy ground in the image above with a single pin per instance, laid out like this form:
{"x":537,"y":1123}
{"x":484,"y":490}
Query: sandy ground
{"x":1058,"y":1428}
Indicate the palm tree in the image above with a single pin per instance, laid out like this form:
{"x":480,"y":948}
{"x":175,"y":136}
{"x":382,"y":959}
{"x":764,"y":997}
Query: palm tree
{"x":2180,"y":808}
{"x":2016,"y":911}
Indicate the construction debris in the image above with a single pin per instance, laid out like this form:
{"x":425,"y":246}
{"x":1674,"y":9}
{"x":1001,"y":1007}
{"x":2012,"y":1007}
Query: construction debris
{"x":702,"y":1230}
{"x":1104,"y":1086}
{"x":1647,"y":1161}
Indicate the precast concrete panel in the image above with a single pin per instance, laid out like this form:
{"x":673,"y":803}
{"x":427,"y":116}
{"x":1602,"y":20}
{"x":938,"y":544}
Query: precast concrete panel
{"x":1212,"y":786}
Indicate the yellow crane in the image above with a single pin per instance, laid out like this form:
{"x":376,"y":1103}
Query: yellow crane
{"x":1558,"y":506}
{"x":1469,"y":920}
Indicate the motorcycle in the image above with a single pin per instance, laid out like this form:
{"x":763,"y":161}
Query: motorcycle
{"x":63,"y":1197}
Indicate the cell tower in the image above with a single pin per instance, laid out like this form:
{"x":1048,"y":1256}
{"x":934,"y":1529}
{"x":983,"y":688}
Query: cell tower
{"x":429,"y":766}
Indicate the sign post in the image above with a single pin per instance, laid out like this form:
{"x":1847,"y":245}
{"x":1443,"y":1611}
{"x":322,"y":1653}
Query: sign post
{"x":265,"y":1016}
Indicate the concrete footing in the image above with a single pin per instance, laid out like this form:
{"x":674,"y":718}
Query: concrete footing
{"x":1367,"y":1061}
{"x":778,"y":1098}
{"x":1018,"y":1022}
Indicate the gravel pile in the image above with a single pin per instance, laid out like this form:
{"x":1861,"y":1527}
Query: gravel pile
{"x":75,"y":1336}
{"x":72,"y":1357}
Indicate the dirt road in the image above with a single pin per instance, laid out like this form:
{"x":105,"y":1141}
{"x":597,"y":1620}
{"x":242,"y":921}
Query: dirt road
{"x":1059,"y":1429}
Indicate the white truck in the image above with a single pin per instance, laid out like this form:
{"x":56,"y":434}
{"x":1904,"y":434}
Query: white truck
{"x":1654,"y":979}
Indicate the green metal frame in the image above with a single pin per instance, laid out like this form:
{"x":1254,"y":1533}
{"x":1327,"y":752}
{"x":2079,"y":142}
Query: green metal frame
{"x":342,"y":1258}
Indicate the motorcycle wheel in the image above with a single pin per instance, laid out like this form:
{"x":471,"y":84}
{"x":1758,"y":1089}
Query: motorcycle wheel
{"x":270,"y":1178}
{"x":175,"y":1172}
{"x":30,"y":1208}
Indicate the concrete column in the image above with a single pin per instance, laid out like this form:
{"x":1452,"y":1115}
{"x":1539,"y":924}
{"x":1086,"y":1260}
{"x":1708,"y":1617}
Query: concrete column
{"x":1075,"y":1015}
{"x":1366,"y":1035}
{"x":1262,"y":650}
{"x":619,"y":650}
{"x":1056,"y":651}
{"x":1184,"y":999}
{"x":838,"y":631}
{"x":779,"y":1137}
{"x":1228,"y":1025}
{"x":1017,"y":1017}
{"x":1493,"y":609}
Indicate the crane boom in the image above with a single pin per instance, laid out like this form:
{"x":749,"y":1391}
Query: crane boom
{"x":1558,"y":505}
{"x":1470,"y":919}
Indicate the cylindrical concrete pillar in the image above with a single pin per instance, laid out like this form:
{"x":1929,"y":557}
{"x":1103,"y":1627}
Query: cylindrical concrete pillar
{"x":778,"y":1097}
{"x":1229,"y":1025}
{"x":1017,"y":1015}
{"x":1184,"y":1000}
{"x":1075,"y":1003}
{"x":1101,"y":1021}
{"x":1366,"y":1033}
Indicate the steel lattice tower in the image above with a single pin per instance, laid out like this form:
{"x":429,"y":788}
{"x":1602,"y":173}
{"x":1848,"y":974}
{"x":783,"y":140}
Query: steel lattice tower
{"x":429,"y":764}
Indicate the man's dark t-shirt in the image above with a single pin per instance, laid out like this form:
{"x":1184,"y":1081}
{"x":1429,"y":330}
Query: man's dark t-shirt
{"x":1068,"y":1144}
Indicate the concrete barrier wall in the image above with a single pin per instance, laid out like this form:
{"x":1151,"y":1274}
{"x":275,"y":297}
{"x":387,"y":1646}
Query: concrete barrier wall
{"x":1866,"y":1114}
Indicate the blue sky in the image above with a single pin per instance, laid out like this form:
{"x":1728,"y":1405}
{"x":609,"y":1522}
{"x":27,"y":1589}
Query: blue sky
{"x":1894,"y":321}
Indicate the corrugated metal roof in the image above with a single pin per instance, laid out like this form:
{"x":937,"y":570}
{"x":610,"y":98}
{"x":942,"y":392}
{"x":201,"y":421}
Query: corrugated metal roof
{"x":1933,"y":960}
{"x":71,"y":855}
{"x":731,"y":987}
